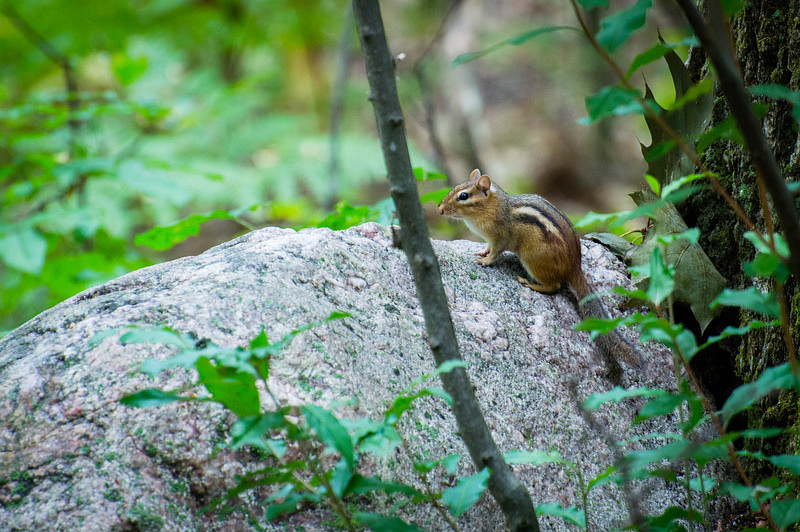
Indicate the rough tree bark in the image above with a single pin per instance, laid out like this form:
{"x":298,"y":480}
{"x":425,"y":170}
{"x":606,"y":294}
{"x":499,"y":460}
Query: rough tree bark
{"x":766,"y":36}
{"x":510,"y":493}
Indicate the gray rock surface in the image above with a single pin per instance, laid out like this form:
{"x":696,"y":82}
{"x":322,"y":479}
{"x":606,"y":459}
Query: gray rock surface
{"x":73,"y":458}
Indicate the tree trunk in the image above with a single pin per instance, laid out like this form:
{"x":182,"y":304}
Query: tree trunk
{"x":766,"y":35}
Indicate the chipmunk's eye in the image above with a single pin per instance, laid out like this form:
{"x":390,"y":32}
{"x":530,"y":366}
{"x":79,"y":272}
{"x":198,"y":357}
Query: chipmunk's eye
{"x":463,"y":196}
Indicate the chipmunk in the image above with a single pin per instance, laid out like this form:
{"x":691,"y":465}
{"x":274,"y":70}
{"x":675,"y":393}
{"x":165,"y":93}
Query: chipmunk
{"x":544,"y":240}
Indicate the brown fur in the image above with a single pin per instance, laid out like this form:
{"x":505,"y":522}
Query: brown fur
{"x":541,"y":235}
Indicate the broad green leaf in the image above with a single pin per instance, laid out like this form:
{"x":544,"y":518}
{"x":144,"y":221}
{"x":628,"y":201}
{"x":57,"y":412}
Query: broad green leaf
{"x":655,"y":186}
{"x":765,"y":490}
{"x":466,"y":492}
{"x":589,"y":4}
{"x":661,"y":405}
{"x":449,"y":462}
{"x":667,"y":519}
{"x":603,"y":478}
{"x":185,"y":359}
{"x":785,"y":512}
{"x":729,"y":331}
{"x":614,"y":243}
{"x":655,"y":53}
{"x":696,"y":281}
{"x":571,"y":515}
{"x":250,"y":430}
{"x":514,"y":41}
{"x":382,"y":523}
{"x":780,"y":92}
{"x":690,"y":235}
{"x":781,"y":246}
{"x":290,"y":504}
{"x":535,"y":457}
{"x":166,"y":236}
{"x":597,"y":326}
{"x":420,"y":174}
{"x":436,"y":196}
{"x":731,"y":7}
{"x":617,"y":394}
{"x":24,"y":250}
{"x":151,"y":397}
{"x":616,"y":29}
{"x":726,"y":129}
{"x":340,"y":477}
{"x":236,"y":390}
{"x":775,"y":378}
{"x":360,"y":485}
{"x":330,"y":431}
{"x":155,"y":335}
{"x":639,"y":460}
{"x":662,"y":278}
{"x":791,"y":462}
{"x":612,"y":101}
{"x":751,"y":299}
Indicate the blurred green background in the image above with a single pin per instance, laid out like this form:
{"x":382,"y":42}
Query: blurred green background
{"x":221,"y":116}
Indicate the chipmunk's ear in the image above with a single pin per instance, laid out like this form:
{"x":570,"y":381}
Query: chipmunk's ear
{"x":474,"y":175}
{"x":484,"y":184}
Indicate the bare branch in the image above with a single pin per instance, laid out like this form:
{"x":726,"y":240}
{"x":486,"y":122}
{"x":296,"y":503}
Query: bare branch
{"x":510,"y":493}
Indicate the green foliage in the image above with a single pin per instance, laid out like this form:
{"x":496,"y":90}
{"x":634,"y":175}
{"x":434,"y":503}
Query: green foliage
{"x":517,"y":40}
{"x":229,"y":377}
{"x":616,"y":29}
{"x":466,"y":492}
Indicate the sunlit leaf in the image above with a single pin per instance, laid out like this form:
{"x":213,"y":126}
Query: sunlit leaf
{"x":655,"y":53}
{"x":466,"y":492}
{"x":164,"y":237}
{"x":612,"y":101}
{"x":236,"y":390}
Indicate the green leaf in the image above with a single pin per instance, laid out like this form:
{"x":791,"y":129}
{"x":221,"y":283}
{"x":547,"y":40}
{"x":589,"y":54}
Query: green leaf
{"x":514,"y":41}
{"x":24,"y":250}
{"x":667,"y":519}
{"x":617,"y":394}
{"x":436,"y":196}
{"x":535,"y":457}
{"x":360,"y":485}
{"x":662,"y":278}
{"x":166,"y":236}
{"x":749,"y":298}
{"x":597,"y":326}
{"x":402,"y":403}
{"x":330,"y":431}
{"x":662,"y":405}
{"x":236,"y":390}
{"x":420,"y":174}
{"x":729,"y":331}
{"x":616,"y":29}
{"x":639,"y":460}
{"x":655,"y":186}
{"x":250,"y":430}
{"x":780,"y":92}
{"x":466,"y":492}
{"x":612,"y":101}
{"x":791,"y":462}
{"x":571,"y":515}
{"x":731,"y":7}
{"x":655,"y":53}
{"x":155,"y":335}
{"x":775,"y":378}
{"x":151,"y":397}
{"x":449,"y":462}
{"x":603,"y":478}
{"x":785,"y":512}
{"x":589,"y":4}
{"x":382,"y":523}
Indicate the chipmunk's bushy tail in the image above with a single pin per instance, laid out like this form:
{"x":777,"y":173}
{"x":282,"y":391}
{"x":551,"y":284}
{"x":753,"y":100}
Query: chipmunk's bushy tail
{"x":613,"y":345}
